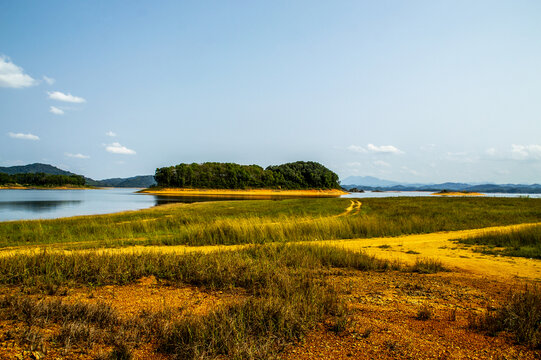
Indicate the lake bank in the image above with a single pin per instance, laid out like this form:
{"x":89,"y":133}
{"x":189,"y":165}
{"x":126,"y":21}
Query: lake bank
{"x":243,"y":192}
{"x":33,"y":187}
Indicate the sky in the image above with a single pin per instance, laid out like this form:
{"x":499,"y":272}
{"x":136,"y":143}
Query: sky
{"x":411,"y":91}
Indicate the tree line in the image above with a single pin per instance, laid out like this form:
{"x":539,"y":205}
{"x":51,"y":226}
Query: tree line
{"x":214,"y":175}
{"x":41,"y":179}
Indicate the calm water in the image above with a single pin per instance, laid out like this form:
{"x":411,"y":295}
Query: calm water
{"x":48,"y":204}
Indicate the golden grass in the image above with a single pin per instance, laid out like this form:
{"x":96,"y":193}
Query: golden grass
{"x":243,"y":192}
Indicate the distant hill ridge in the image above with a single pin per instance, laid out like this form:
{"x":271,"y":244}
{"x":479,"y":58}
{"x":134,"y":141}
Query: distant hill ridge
{"x":373,"y":183}
{"x":34,"y":168}
{"x":143,"y":181}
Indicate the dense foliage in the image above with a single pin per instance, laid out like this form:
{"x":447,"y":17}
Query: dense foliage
{"x":41,"y":179}
{"x":297,"y":175}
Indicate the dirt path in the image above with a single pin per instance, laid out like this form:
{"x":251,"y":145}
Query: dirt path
{"x":353,"y":209}
{"x":440,"y":245}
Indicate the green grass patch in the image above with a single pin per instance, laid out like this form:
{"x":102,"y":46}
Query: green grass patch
{"x":525,"y":242}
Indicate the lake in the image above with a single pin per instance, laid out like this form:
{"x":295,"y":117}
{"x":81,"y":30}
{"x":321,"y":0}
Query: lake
{"x":49,"y":204}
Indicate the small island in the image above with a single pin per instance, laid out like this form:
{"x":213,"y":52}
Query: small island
{"x":301,"y":178}
{"x":457,"y":193}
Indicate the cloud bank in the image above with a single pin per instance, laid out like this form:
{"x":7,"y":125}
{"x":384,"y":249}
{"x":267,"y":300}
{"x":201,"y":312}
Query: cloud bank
{"x":116,"y":148}
{"x":23,"y":136}
{"x":13,"y":76}
{"x":525,"y":152}
{"x":57,"y":95}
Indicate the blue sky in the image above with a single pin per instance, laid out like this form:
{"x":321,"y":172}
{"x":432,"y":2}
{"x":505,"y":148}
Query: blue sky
{"x":418,"y":91}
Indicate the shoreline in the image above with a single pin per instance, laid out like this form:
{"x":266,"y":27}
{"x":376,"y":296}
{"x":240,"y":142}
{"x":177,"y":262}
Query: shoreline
{"x":243,"y":192}
{"x":20,"y":187}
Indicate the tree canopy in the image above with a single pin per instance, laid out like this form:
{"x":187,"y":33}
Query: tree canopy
{"x":214,"y":175}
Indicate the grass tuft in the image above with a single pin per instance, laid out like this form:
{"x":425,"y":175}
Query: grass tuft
{"x":424,"y":313}
{"x":427,"y":266}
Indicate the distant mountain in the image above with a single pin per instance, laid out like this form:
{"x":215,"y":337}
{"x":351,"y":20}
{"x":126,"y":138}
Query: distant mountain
{"x":34,"y":168}
{"x":141,"y":181}
{"x":372,"y":183}
{"x":135,"y":181}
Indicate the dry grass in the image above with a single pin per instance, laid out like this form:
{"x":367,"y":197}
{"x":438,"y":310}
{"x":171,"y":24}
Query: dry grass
{"x":286,"y":287}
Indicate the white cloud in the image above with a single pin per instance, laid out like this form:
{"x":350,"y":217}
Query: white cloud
{"x":77,"y":156}
{"x":110,"y":133}
{"x":57,"y":95}
{"x":381,"y":163}
{"x":116,"y":148}
{"x":13,"y":76}
{"x":353,"y":164}
{"x":491,"y":151}
{"x":23,"y":136}
{"x":385,"y":149}
{"x":56,"y":111}
{"x":357,"y":148}
{"x":48,"y":80}
{"x":523,"y":152}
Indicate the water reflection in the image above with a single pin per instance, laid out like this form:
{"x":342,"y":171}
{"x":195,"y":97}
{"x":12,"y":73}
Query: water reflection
{"x":37,"y":206}
{"x":162,"y":200}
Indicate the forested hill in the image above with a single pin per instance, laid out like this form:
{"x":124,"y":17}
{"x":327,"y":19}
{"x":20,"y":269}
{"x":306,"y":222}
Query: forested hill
{"x":39,"y":175}
{"x":33,"y":169}
{"x":44,"y":179}
{"x":213,"y":175}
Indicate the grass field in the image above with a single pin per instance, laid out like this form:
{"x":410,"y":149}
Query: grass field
{"x":263,"y":221}
{"x":294,"y":290}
